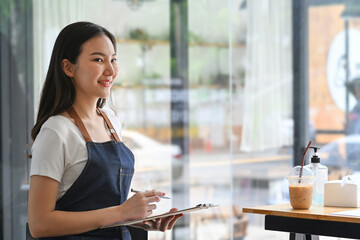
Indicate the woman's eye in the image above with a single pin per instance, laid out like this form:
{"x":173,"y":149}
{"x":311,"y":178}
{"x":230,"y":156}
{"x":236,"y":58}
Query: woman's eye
{"x":98,"y":60}
{"x":114,"y":60}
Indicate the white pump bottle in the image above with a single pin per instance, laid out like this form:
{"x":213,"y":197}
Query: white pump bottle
{"x":321,"y":176}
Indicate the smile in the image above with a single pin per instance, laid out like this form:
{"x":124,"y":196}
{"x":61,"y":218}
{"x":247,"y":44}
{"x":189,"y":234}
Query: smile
{"x":105,"y":83}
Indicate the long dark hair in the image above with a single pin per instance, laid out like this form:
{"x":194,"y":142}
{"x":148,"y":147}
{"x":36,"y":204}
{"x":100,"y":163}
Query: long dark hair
{"x":58,"y":93}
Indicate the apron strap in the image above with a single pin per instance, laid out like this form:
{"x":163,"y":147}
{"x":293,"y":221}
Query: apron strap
{"x":110,"y":126}
{"x":79,"y":124}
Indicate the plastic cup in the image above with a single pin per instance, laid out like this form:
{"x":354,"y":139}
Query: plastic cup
{"x":301,"y":189}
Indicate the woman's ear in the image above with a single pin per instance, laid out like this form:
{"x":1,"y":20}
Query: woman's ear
{"x":68,"y":68}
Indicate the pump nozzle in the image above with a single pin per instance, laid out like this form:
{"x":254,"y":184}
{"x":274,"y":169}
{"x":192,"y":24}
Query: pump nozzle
{"x":315,"y":158}
{"x":315,"y":149}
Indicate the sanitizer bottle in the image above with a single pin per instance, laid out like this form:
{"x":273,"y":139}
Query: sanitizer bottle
{"x":321,"y":176}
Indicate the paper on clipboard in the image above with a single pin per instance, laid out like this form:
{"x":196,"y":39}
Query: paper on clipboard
{"x":186,"y":210}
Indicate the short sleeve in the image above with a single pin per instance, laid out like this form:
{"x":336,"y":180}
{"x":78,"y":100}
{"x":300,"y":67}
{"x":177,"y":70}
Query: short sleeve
{"x":48,"y":157}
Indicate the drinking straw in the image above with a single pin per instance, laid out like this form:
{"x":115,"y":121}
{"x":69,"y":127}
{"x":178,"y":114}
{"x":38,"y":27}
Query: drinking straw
{"x":303,"y":158}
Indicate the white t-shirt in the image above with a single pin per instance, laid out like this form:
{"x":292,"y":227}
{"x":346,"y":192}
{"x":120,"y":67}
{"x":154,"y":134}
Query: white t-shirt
{"x":59,"y":151}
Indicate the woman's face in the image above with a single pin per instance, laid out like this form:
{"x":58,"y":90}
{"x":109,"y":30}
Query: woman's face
{"x":96,"y":69}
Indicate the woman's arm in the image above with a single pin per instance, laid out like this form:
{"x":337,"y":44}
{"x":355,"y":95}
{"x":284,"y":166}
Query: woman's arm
{"x":44,"y":220}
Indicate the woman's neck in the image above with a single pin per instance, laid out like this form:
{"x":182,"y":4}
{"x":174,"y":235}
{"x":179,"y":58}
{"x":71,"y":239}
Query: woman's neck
{"x":85,"y":110}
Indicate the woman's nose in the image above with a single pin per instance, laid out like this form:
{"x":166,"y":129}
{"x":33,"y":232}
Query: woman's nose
{"x":109,"y":70}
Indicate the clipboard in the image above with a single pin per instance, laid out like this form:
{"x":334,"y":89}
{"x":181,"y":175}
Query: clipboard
{"x":183,"y":211}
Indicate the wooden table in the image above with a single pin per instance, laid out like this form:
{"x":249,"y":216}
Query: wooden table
{"x":308,"y":224}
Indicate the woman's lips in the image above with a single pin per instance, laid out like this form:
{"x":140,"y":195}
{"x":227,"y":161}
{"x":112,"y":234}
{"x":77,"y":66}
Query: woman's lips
{"x":105,"y":83}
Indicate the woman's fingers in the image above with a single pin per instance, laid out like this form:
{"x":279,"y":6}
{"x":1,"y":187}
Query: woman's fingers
{"x":150,"y":196}
{"x":173,"y":221}
{"x":152,"y":206}
{"x":162,"y":224}
{"x":157,"y":223}
{"x":167,"y":223}
{"x":149,"y":193}
{"x":153,"y":199}
{"x":149,"y":225}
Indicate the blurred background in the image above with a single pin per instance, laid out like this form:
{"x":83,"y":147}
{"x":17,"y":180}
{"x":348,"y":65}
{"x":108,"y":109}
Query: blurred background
{"x":217,"y":99}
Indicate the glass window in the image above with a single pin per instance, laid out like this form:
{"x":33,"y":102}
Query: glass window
{"x":211,"y":103}
{"x":333,"y":84}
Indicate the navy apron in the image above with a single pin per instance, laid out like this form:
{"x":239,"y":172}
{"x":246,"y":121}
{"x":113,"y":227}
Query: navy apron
{"x":104,"y":182}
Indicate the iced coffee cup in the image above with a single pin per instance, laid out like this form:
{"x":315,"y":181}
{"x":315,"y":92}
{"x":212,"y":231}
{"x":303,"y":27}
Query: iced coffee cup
{"x":301,"y":188}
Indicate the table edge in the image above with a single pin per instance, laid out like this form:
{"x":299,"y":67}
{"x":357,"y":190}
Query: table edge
{"x":296,"y":214}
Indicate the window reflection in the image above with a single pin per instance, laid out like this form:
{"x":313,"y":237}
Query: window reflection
{"x":333,"y":73}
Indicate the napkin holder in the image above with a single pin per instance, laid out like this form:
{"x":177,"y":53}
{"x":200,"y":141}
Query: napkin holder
{"x":342,"y":193}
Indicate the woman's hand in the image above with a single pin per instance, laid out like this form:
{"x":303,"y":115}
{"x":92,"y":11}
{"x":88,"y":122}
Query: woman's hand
{"x":161,"y":224}
{"x":141,"y":204}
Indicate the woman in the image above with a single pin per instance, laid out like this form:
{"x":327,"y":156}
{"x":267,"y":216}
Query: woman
{"x":80,"y":170}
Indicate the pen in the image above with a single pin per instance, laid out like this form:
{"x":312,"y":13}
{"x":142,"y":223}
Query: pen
{"x":136,"y":191}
